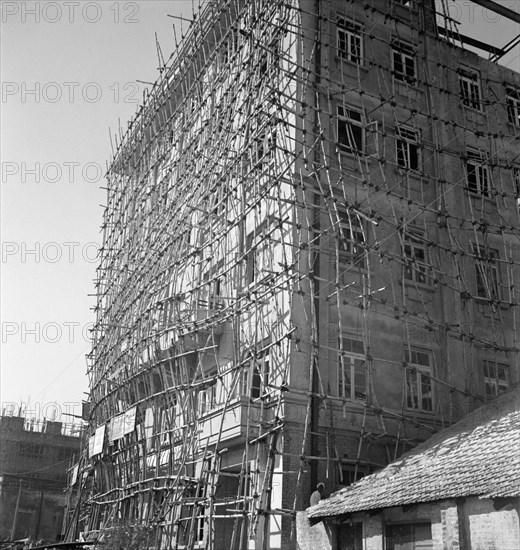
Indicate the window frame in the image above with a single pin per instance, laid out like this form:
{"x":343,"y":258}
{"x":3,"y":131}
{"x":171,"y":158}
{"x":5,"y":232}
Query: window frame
{"x":349,"y":41}
{"x":421,"y":375}
{"x":494,"y":381}
{"x":354,"y":130}
{"x":354,"y":362}
{"x":352,"y":242}
{"x":407,"y":148}
{"x":390,"y":542}
{"x":404,"y":52}
{"x":350,"y":535}
{"x":416,"y":269}
{"x":256,"y":248}
{"x":516,"y":185}
{"x":513,"y":105}
{"x":470,"y":90}
{"x":478,"y":177}
{"x":487,"y":272}
{"x":260,"y":375}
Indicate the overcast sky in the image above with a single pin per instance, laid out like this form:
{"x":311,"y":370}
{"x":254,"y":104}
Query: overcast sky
{"x":69,"y":72}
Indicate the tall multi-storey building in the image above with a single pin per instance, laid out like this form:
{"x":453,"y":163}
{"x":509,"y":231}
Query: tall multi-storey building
{"x":34,"y":459}
{"x":310,"y":264}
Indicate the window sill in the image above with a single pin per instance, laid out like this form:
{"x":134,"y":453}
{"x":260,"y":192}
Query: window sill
{"x":469,"y":109}
{"x":354,"y":403}
{"x":482,"y":302}
{"x":358,"y":157}
{"x":432,"y":288}
{"x":342,"y":61}
{"x":490,"y":201}
{"x":413,"y":173}
{"x":404,"y":88}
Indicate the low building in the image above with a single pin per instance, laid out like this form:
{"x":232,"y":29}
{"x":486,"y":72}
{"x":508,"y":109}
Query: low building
{"x":33,"y":476}
{"x":459,"y":489}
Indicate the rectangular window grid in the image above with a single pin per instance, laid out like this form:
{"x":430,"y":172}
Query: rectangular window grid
{"x":496,"y":378}
{"x":352,"y":373}
{"x":469,"y":87}
{"x":513,"y":106}
{"x":350,"y":41}
{"x":486,"y":271}
{"x":416,"y":267}
{"x":403,"y":63}
{"x":411,"y":536}
{"x":477,"y":173}
{"x":351,"y":134}
{"x":407,"y":148}
{"x":419,"y":391}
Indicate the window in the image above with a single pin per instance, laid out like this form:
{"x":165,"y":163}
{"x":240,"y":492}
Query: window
{"x":259,"y":251}
{"x":486,"y":271}
{"x":351,"y":474}
{"x":419,"y":394}
{"x":200,"y":506}
{"x":403,"y":63}
{"x":229,"y":47}
{"x":477,"y":173}
{"x":416,"y":267}
{"x":352,"y":374}
{"x":350,"y":42}
{"x":513,"y":105}
{"x":350,"y":536}
{"x":496,"y":378}
{"x":261,"y":372}
{"x":411,"y":536}
{"x":211,"y":290}
{"x":516,"y":181}
{"x":407,"y":148}
{"x":470,"y":89}
{"x":351,"y":240}
{"x":351,"y":134}
{"x":207,"y":399}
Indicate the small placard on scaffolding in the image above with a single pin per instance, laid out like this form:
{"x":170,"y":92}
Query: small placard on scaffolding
{"x":129,"y":420}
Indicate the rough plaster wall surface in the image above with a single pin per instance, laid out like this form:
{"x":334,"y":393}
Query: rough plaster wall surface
{"x":311,"y":537}
{"x":492,"y":529}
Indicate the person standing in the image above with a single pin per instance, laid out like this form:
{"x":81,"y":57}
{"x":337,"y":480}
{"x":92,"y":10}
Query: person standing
{"x":316,"y":495}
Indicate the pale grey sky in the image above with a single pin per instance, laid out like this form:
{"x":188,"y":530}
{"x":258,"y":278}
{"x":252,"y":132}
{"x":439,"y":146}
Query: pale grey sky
{"x":69,"y":71}
{"x":81,"y":61}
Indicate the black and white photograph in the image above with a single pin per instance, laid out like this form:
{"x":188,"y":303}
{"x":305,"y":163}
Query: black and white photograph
{"x":260,"y":274}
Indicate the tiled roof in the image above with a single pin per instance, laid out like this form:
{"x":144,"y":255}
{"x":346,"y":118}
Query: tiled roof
{"x":479,"y":456}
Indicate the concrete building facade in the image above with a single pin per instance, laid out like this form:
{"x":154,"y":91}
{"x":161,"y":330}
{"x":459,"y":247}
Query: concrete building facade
{"x":310,"y":264}
{"x":34,"y":460}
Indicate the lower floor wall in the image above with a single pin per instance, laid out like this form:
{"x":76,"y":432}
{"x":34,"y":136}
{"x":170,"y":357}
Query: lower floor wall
{"x":38,"y":509}
{"x":466,"y":524}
